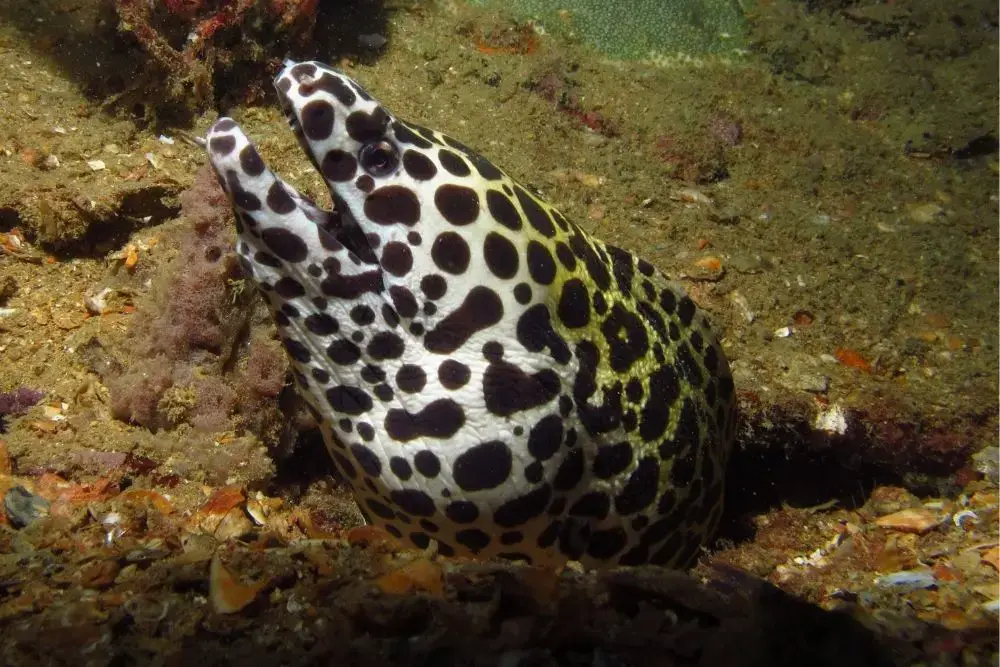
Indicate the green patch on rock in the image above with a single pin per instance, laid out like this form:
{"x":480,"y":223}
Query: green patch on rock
{"x":649,"y":30}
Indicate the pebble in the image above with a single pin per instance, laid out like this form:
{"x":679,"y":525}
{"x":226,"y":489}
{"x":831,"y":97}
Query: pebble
{"x":783,"y":332}
{"x":96,"y":165}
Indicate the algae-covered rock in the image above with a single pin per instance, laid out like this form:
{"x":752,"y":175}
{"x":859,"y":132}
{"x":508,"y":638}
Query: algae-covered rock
{"x":653,"y":30}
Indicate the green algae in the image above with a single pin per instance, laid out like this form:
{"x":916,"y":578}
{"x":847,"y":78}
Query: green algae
{"x":649,"y":30}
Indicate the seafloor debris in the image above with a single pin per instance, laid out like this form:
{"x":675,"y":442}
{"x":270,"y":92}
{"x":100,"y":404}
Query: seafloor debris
{"x":17,"y":402}
{"x":274,"y":598}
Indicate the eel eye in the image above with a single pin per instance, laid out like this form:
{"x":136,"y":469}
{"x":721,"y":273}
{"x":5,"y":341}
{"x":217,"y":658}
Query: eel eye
{"x":379,"y":158}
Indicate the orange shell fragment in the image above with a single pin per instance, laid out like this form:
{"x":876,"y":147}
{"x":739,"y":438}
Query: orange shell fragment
{"x":227,"y":593}
{"x":420,"y":575}
{"x":849,"y":357}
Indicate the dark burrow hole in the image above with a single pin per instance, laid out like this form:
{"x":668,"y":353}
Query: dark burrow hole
{"x":309,"y":462}
{"x":779,"y":468}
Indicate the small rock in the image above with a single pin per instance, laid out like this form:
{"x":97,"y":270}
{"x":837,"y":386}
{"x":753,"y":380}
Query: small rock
{"x":746,"y":263}
{"x":812,"y":382}
{"x":727,"y":214}
{"x":831,"y":420}
{"x":924,"y":213}
{"x":915,"y":520}
{"x":23,"y":507}
{"x":987,"y":461}
{"x":96,"y":165}
{"x":49,"y":162}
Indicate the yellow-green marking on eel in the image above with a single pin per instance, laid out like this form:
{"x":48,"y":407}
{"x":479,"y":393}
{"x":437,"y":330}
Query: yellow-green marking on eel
{"x":486,"y":374}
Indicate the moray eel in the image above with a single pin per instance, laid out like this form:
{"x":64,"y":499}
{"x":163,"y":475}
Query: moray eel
{"x":486,"y":374}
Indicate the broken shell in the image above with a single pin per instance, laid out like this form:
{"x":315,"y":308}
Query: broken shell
{"x":256,"y":511}
{"x":916,"y":520}
{"x":965,"y":517}
{"x":910,"y":579}
{"x":226,"y":592}
{"x":97,"y":304}
{"x":691,"y":196}
{"x":709,"y":263}
{"x":743,"y":305}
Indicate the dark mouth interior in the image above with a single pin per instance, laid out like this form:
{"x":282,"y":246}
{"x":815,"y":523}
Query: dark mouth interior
{"x":347,"y":230}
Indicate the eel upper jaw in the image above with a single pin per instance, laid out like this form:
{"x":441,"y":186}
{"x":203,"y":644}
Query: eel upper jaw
{"x":340,"y":221}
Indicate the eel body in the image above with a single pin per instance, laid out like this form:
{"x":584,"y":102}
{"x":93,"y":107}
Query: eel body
{"x":486,"y":373}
